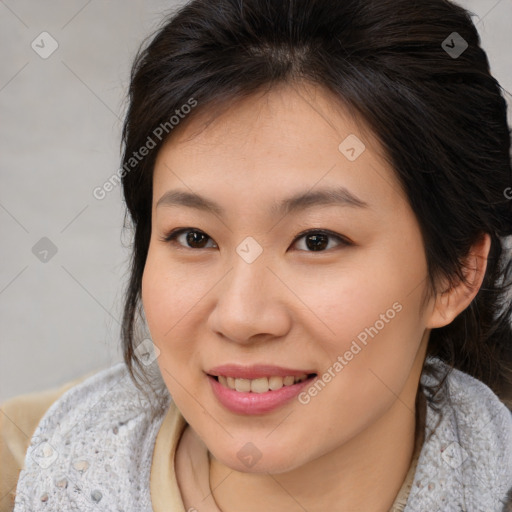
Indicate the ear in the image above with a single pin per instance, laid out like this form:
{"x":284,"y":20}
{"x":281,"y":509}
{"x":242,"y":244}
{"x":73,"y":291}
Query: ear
{"x":453,"y":301}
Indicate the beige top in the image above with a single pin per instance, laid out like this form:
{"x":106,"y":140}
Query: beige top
{"x":20,"y":416}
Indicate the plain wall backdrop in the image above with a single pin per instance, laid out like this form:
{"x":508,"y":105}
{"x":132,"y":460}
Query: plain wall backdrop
{"x":64,"y":265}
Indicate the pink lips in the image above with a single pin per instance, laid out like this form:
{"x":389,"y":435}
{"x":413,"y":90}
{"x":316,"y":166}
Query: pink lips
{"x":255,"y":403}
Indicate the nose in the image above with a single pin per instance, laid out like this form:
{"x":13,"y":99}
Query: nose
{"x":251,"y":304}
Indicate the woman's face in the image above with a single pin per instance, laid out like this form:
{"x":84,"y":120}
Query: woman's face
{"x":329,"y":285}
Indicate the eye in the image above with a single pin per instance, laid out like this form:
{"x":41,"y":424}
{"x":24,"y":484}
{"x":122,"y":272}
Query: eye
{"x":315,"y":240}
{"x":194,"y":237}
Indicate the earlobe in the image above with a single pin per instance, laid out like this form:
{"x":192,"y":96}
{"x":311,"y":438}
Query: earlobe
{"x":454,"y":300}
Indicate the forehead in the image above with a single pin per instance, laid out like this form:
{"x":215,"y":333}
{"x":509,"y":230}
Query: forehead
{"x":288,"y":138}
{"x":296,"y":107}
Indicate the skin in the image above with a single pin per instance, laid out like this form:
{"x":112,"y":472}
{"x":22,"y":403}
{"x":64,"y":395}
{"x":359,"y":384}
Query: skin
{"x":350,"y":447}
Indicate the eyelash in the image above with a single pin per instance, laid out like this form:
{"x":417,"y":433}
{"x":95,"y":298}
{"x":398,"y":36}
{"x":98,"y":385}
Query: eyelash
{"x":171,"y":237}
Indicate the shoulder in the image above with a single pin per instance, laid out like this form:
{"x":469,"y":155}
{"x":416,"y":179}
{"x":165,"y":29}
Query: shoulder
{"x":482,"y":418}
{"x":477,"y":410}
{"x":19,"y":417}
{"x":92,"y":442}
{"x":466,"y":460}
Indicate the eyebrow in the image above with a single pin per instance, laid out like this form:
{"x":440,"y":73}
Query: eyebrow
{"x":340,"y":196}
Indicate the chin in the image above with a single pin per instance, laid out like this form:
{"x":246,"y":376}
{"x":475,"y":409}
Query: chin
{"x":250,"y":459}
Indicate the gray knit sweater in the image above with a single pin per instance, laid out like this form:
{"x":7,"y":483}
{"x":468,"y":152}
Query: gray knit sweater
{"x":92,"y":450}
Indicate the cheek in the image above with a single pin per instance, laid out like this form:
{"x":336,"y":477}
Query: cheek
{"x":346,"y":304}
{"x":169,"y":299}
{"x":169,"y":292}
{"x":370,"y":317}
{"x":363,"y":380}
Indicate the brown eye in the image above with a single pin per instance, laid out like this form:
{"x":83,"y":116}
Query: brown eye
{"x":188,"y":238}
{"x":318,"y":240}
{"x":314,"y":240}
{"x":195,"y":239}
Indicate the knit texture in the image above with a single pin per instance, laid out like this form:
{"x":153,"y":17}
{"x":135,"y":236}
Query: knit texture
{"x":93,"y":449}
{"x":466,"y":464}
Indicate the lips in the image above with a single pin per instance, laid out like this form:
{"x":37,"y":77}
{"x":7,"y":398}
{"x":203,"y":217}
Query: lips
{"x":257,"y":389}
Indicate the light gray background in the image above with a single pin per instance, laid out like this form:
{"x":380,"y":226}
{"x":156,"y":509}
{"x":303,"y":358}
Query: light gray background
{"x":60,"y":122}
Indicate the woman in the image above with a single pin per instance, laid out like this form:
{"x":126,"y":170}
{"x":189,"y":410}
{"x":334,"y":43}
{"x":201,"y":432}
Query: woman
{"x":318,"y":192}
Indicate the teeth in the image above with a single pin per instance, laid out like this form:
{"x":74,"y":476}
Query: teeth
{"x":243,"y":385}
{"x":275,"y":383}
{"x":288,"y":381}
{"x":262,"y":384}
{"x":259,"y":385}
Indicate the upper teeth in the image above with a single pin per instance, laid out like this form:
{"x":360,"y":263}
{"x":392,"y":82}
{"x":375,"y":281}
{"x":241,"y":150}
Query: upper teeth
{"x":261,"y":385}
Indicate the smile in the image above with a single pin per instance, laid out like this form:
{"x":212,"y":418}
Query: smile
{"x":260,"y":385}
{"x":257,"y":389}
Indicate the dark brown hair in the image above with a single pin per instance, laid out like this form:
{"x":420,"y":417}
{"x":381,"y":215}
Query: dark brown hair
{"x":440,"y":117}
